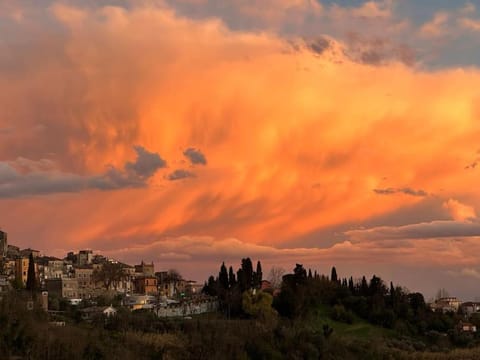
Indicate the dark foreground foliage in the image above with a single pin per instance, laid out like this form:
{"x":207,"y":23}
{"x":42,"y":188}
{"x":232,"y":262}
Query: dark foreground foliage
{"x":311,"y":317}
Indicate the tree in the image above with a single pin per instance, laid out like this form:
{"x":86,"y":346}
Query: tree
{"x":231,"y":278}
{"x":223,"y":277}
{"x":109,"y":274}
{"x":351,"y":286}
{"x":334,"y":276}
{"x":210,"y":287}
{"x":247,"y":268}
{"x":258,"y":275}
{"x":259,"y":306}
{"x":300,"y":274}
{"x":275,"y":276}
{"x":364,"y":287}
{"x":31,"y":278}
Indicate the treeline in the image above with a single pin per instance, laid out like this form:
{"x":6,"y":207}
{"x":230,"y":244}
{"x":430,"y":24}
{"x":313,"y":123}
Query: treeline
{"x":231,"y":287}
{"x":388,"y":306}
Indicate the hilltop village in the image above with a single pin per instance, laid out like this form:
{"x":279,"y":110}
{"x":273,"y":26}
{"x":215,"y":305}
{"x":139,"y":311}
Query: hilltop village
{"x":85,"y":276}
{"x":87,"y":306}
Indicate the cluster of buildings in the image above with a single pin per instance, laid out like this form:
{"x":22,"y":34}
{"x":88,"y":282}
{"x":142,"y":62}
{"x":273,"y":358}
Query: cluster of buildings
{"x":85,"y":275}
{"x":467,"y":309}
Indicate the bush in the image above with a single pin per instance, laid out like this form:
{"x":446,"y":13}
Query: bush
{"x":339,"y":313}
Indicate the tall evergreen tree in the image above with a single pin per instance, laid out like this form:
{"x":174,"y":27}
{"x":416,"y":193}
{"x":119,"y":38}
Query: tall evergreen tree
{"x":247,"y":268}
{"x":258,"y":275}
{"x":364,"y":287}
{"x":231,"y":278}
{"x":310,"y":273}
{"x":334,"y":276}
{"x":393,"y":295}
{"x":31,"y":278}
{"x":351,"y":287}
{"x":241,"y":280}
{"x":223,"y":277}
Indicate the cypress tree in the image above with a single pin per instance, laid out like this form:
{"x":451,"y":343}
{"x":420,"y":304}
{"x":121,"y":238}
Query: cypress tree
{"x":364,"y":287}
{"x":223,"y":277}
{"x":247,"y":268}
{"x":231,"y":277}
{"x":241,"y":280}
{"x":31,"y":279}
{"x":310,"y":273}
{"x":258,"y":275}
{"x":351,"y":287}
{"x":334,"y":276}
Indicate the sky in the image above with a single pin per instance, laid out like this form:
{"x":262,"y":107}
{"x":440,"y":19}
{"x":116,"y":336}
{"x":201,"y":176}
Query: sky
{"x":191,"y":132}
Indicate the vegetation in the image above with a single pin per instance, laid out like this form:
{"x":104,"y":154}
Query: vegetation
{"x":310,"y":317}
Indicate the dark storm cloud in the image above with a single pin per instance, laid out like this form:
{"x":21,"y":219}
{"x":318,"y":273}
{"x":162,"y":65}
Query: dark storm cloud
{"x":371,"y":50}
{"x":195,"y":156}
{"x":26,"y":177}
{"x":428,"y":230}
{"x":146,"y":164}
{"x":318,"y":45}
{"x":405,"y":190}
{"x":180,"y":174}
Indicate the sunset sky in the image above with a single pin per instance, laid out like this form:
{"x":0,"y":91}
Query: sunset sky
{"x":191,"y":132}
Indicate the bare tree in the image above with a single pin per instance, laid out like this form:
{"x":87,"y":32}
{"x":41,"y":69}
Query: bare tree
{"x":275,"y":276}
{"x":110,"y":274}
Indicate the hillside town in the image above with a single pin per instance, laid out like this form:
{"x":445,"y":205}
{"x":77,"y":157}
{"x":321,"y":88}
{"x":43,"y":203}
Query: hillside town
{"x":84,"y":276}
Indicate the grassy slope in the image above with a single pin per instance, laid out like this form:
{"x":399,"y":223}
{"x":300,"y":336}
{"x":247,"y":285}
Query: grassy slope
{"x":359,"y":329}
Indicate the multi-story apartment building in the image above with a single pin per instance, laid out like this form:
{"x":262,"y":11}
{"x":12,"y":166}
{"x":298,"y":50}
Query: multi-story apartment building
{"x":86,"y":283}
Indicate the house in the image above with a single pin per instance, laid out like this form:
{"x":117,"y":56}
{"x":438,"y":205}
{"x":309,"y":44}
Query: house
{"x":94,"y":312}
{"x":64,"y":287}
{"x":137,"y":302}
{"x":146,"y":285}
{"x":21,"y":269}
{"x":13,"y":251}
{"x":26,"y":253}
{"x":84,"y":257}
{"x":469,"y":308}
{"x":265,"y":284}
{"x":145,"y":269}
{"x":86,"y":284}
{"x":446,"y":304}
{"x":466,"y":327}
{"x":110,"y":311}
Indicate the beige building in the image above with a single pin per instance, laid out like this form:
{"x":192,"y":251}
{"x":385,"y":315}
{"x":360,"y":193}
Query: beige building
{"x":86,"y":284}
{"x":145,"y":269}
{"x":21,"y":269}
{"x":446,"y":304}
{"x":84,"y":257}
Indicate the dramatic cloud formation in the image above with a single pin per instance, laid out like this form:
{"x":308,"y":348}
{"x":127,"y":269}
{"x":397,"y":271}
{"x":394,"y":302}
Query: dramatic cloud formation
{"x":195,"y":156}
{"x":305,"y":113}
{"x":434,"y":229}
{"x":41,"y":177}
{"x":459,"y":211}
{"x":180,"y":174}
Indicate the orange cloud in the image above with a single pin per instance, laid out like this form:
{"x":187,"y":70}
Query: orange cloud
{"x":459,"y":211}
{"x":296,"y":140}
